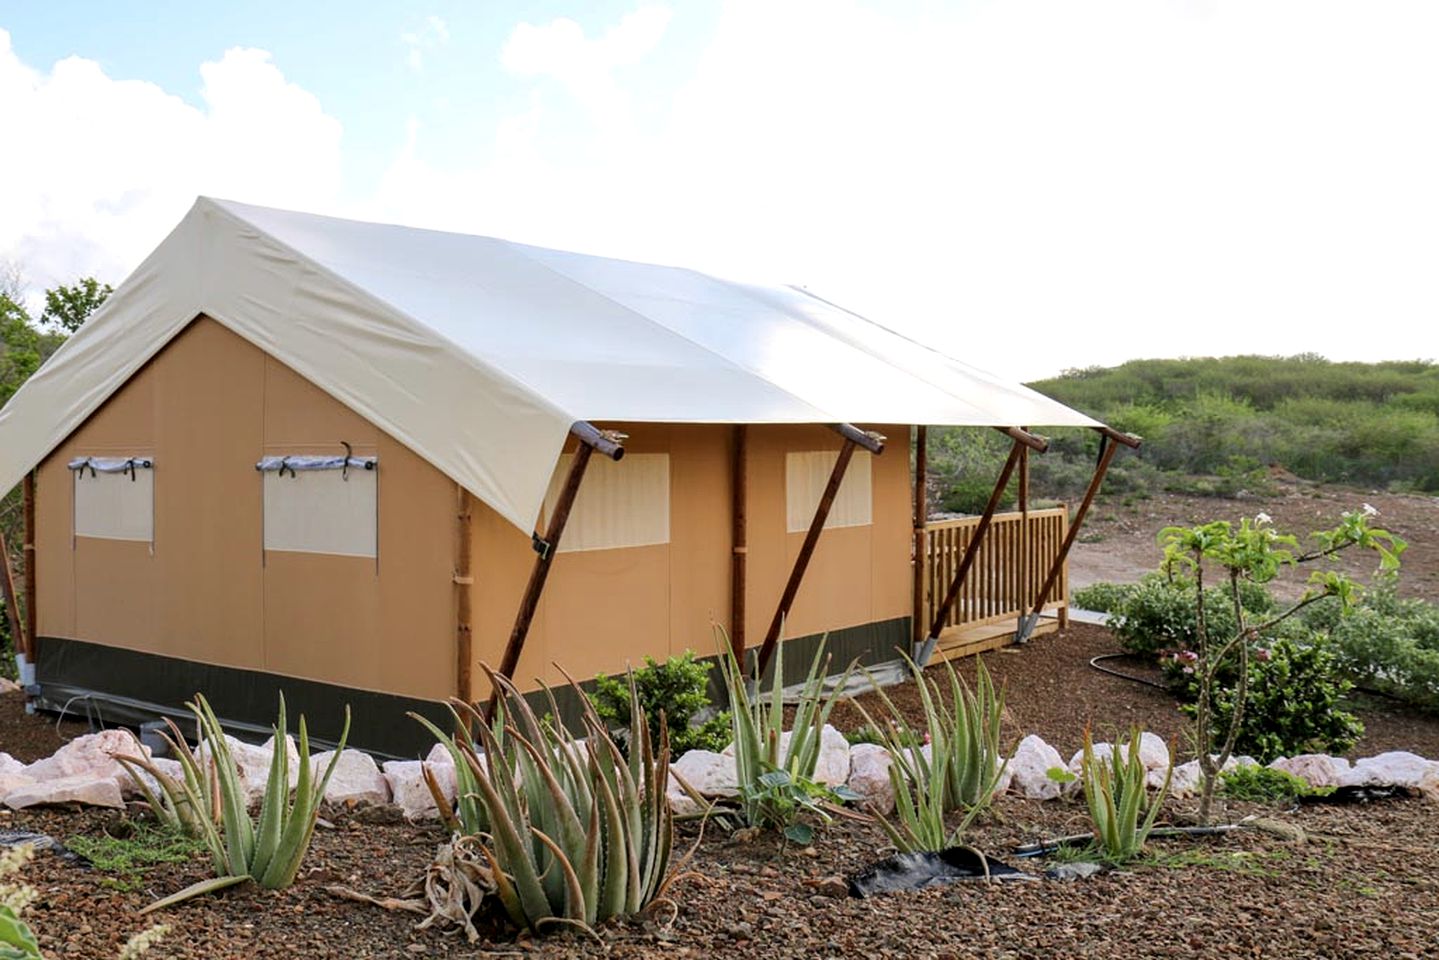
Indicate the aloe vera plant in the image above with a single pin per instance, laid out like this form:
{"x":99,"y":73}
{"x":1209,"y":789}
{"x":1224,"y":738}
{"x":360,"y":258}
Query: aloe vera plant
{"x":577,"y":833}
{"x":210,"y":799}
{"x":1118,"y":796}
{"x":757,"y":722}
{"x":960,"y":769}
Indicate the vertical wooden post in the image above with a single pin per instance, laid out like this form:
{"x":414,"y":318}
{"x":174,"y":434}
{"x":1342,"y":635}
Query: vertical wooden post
{"x":739,"y":479}
{"x":27,"y":495}
{"x":853,"y":437}
{"x":1109,"y":441}
{"x":591,"y":439}
{"x":12,"y":603}
{"x":464,"y":582}
{"x":921,"y":522}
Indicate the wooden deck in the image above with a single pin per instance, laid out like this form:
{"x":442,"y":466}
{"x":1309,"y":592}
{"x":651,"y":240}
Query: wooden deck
{"x":1008,"y":571}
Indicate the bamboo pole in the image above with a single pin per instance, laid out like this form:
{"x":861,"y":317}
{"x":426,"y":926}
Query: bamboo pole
{"x":853,"y":437}
{"x":591,"y":439}
{"x":12,"y":605}
{"x":921,"y":522}
{"x":27,"y":500}
{"x":464,"y":584}
{"x":739,"y":482}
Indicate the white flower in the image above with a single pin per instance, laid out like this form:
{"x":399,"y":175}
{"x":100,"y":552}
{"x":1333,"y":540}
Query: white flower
{"x":1370,"y":511}
{"x":1263,"y":518}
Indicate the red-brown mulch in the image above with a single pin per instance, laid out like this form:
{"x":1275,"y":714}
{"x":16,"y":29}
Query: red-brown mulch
{"x":1362,"y":885}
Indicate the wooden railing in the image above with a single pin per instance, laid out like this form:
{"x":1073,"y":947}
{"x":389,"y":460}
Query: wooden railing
{"x":1008,"y":571}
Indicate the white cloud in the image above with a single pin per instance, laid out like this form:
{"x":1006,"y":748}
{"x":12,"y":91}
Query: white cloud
{"x":432,"y":35}
{"x":108,"y":166}
{"x":585,"y":67}
{"x":1037,"y":184}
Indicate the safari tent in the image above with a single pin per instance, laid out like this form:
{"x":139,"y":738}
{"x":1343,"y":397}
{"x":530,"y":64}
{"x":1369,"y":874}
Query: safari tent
{"x":352,"y":461}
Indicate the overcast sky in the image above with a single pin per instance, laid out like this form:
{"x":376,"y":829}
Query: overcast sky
{"x":1031,"y":185}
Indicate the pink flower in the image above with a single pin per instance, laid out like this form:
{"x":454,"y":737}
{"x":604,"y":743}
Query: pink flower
{"x":1263,"y":655}
{"x":1187,"y":656}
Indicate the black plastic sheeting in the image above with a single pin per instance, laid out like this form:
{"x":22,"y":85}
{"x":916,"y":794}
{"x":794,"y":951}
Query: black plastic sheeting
{"x":915,"y":871}
{"x":1360,"y":794}
{"x":40,"y":841}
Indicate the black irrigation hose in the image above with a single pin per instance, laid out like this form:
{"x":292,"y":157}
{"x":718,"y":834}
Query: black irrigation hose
{"x":1050,"y":846}
{"x":1094,"y":662}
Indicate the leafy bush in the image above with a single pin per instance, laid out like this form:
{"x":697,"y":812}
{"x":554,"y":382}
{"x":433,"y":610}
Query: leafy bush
{"x":1103,"y":597}
{"x":1390,"y":645}
{"x":1256,"y":784}
{"x":1293,"y":704}
{"x":1159,"y":614}
{"x":673,"y":692}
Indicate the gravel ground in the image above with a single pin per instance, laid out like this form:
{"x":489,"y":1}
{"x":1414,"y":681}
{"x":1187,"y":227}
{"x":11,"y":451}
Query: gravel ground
{"x":1364,"y":883}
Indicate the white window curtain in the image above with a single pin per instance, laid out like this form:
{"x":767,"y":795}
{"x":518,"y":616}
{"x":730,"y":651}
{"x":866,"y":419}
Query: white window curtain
{"x":114,"y":498}
{"x":620,"y":504}
{"x":321,"y":504}
{"x":806,"y":474}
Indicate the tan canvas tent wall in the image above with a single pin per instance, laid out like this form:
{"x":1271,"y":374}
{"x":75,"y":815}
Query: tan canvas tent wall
{"x":459,"y":364}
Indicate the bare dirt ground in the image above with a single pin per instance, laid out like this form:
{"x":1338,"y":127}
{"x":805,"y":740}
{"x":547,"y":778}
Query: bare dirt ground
{"x":1119,"y":539}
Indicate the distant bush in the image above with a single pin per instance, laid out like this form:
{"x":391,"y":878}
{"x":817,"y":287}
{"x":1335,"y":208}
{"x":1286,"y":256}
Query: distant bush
{"x":1157,"y":615}
{"x":1388,"y":644}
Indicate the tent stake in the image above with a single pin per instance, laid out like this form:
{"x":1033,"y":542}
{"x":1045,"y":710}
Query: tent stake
{"x":1109,"y":441}
{"x":853,"y":437}
{"x":921,"y":525}
{"x":739,"y":480}
{"x":591,"y":439}
{"x":971,"y":550}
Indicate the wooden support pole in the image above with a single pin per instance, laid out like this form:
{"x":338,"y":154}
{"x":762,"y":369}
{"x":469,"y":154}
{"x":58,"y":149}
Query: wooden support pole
{"x":921,"y":524}
{"x":464,"y":591}
{"x":1031,"y":440}
{"x":739,"y":481}
{"x":853,"y":437}
{"x":12,"y":604}
{"x":1107,"y":449}
{"x":27,"y":501}
{"x":971,"y":550}
{"x":591,"y":439}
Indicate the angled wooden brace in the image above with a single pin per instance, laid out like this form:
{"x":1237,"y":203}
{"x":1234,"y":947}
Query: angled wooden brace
{"x":1109,"y":441}
{"x":853,"y":437}
{"x":1023,"y":440}
{"x":592,"y":439}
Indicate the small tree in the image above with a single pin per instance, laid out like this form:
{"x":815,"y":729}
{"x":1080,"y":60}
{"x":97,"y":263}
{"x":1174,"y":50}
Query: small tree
{"x":1255,"y":552}
{"x":67,"y":306}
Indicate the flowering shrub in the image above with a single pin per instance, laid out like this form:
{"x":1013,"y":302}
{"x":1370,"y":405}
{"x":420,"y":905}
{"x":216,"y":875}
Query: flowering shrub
{"x":1254,"y":552}
{"x":1157,"y":616}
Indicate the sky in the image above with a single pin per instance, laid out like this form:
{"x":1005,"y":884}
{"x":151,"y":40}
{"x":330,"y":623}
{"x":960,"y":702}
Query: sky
{"x":1030,"y":185}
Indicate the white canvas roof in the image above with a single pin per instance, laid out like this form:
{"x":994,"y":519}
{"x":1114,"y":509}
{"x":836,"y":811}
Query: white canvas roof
{"x":479,"y":353}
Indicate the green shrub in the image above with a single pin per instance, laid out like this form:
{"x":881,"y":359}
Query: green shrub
{"x":676,"y":690}
{"x":1102,"y":597}
{"x":1293,"y":706}
{"x":1158,"y":614}
{"x":1263,"y":785}
{"x":1389,"y":644}
{"x":970,"y":494}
